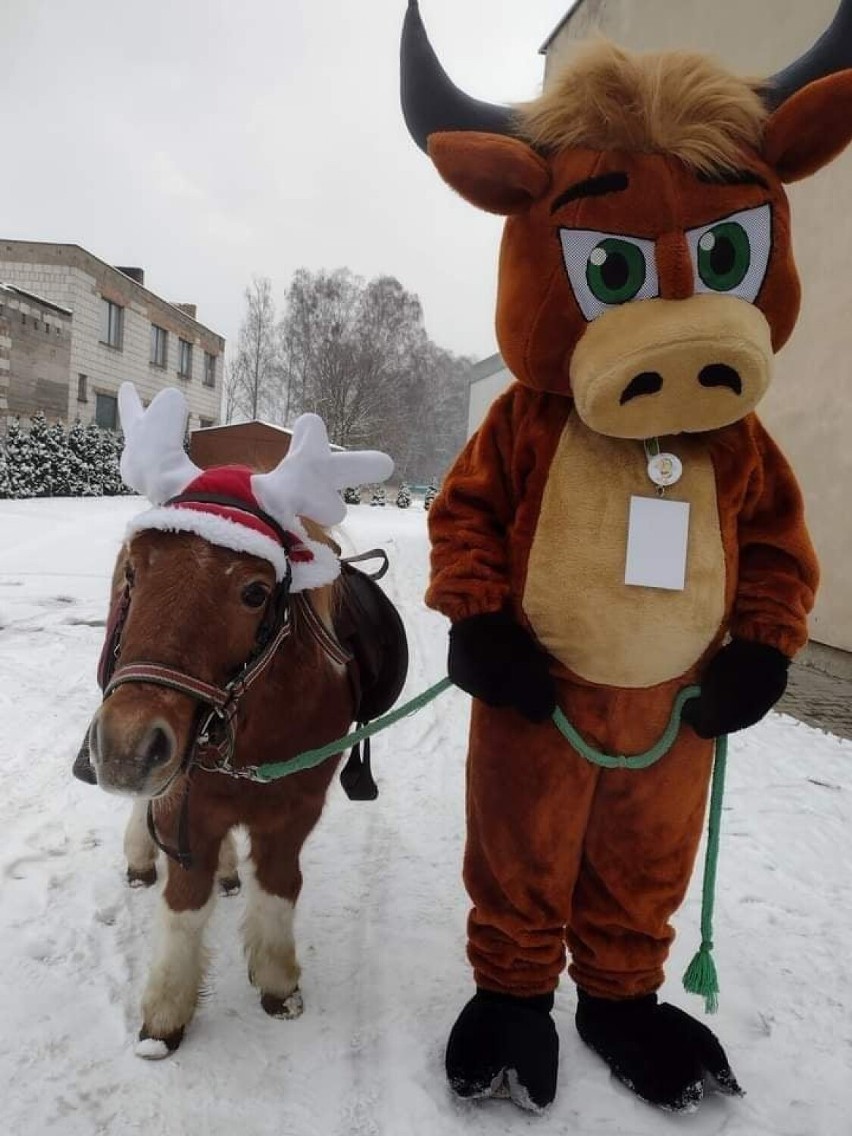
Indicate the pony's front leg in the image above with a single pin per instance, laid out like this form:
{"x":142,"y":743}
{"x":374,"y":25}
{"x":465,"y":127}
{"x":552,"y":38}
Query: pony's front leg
{"x":179,"y":956}
{"x":140,"y":851}
{"x":268,"y":926}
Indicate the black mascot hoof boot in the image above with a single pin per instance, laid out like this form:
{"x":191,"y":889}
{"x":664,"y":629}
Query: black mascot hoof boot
{"x":655,"y":1049}
{"x":505,"y":1046}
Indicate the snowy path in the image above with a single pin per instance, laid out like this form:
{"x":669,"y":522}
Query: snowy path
{"x":381,"y":922}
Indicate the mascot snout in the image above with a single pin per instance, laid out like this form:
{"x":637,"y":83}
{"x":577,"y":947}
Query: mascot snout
{"x":660,"y":367}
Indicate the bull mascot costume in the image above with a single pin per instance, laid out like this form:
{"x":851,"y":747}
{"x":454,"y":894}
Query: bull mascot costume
{"x":620,"y":527}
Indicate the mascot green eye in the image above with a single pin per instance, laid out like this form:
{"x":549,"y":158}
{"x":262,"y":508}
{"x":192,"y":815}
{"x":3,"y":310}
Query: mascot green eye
{"x":615,"y":271}
{"x":724,"y":256}
{"x":731,"y":255}
{"x":608,"y":269}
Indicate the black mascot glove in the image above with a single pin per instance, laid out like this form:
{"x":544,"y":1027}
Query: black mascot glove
{"x":740,"y":685}
{"x":496,"y":660}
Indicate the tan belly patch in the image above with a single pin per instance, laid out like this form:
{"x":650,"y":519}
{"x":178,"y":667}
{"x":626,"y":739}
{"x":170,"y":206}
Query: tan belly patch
{"x":575,"y":597}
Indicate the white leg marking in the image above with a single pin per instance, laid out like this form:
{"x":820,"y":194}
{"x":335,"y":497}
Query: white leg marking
{"x":228,"y":860}
{"x":268,"y":939}
{"x":139,"y":849}
{"x":177,"y":970}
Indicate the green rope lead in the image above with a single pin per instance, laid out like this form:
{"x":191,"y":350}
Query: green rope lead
{"x":700,"y":977}
{"x":274,"y":770}
{"x":639,"y":760}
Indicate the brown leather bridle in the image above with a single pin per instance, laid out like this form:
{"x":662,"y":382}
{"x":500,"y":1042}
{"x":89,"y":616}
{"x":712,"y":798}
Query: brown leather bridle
{"x":212,"y":746}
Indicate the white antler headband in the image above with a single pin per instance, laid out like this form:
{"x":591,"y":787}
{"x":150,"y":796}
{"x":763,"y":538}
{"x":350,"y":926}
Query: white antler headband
{"x":154,"y":462}
{"x":304,"y":484}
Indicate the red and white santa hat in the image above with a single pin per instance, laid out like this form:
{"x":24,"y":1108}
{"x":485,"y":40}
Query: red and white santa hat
{"x":233,"y":506}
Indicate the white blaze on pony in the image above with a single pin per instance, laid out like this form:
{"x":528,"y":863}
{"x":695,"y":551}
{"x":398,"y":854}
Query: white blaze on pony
{"x":222,"y":654}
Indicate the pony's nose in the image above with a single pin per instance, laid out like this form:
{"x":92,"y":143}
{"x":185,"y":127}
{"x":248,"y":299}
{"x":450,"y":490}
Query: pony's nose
{"x":157,"y":746}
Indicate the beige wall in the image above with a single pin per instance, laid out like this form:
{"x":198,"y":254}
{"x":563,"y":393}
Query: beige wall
{"x":37,"y":339}
{"x":71,"y":276}
{"x":482,"y":393}
{"x":809,"y":407}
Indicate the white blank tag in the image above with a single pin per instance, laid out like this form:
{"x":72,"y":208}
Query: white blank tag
{"x":656,"y":543}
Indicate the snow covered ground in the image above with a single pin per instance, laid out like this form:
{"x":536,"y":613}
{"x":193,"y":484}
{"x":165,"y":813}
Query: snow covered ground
{"x":381,"y":923}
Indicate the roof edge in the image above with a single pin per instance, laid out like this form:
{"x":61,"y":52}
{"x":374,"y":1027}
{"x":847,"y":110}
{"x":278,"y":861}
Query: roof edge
{"x":112,"y":268}
{"x":577,"y":4}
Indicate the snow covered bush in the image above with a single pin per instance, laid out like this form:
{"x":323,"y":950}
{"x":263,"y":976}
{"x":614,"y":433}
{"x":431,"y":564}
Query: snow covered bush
{"x":352,"y":495}
{"x":50,"y":461}
{"x":403,"y":497}
{"x":379,"y":496}
{"x":431,"y":494}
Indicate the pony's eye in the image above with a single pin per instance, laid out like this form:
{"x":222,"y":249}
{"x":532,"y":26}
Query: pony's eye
{"x":254,"y":595}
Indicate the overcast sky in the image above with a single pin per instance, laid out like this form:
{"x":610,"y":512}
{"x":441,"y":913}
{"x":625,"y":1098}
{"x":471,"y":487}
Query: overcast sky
{"x":212,"y":140}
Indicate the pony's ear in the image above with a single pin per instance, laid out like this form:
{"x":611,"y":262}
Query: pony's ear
{"x":494,"y":172}
{"x":811,"y":128}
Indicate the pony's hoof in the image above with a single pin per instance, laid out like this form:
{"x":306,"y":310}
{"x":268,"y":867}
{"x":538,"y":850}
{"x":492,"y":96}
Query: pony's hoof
{"x":142,"y":877}
{"x":156,"y":1048}
{"x":290,"y":1007}
{"x":229,"y":885}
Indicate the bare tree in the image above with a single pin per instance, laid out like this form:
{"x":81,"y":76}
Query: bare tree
{"x":348,"y":347}
{"x":230,"y":392}
{"x":255,"y":370}
{"x":355,"y":352}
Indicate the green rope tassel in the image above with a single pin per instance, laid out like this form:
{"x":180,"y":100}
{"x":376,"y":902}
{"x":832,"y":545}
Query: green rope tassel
{"x":701,"y":977}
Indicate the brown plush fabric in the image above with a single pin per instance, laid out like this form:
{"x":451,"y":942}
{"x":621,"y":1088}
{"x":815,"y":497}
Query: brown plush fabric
{"x":557,"y":846}
{"x":609,"y":633}
{"x":532,"y":518}
{"x":484,"y":522}
{"x":810,"y":129}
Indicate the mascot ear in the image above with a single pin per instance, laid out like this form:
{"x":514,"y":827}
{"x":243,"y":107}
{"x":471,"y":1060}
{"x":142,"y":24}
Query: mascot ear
{"x":494,"y":172}
{"x":811,"y":128}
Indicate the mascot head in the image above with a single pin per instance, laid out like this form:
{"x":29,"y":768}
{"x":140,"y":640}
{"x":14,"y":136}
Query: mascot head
{"x":646,"y":266}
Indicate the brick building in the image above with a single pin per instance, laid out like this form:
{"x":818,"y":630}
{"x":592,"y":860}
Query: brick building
{"x":106,"y":327}
{"x":35,"y":354}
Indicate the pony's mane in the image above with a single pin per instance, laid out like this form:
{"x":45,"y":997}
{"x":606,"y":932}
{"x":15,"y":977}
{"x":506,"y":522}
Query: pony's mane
{"x":679,"y":103}
{"x":325,"y":600}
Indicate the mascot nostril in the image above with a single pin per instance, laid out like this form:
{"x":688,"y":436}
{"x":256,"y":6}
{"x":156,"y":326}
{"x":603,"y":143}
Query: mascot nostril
{"x":649,"y":382}
{"x":720,"y":375}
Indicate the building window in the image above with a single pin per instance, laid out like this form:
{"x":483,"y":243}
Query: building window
{"x":112,"y":324}
{"x":82,"y":388}
{"x":159,"y":346}
{"x":205,"y":423}
{"x":106,"y":411}
{"x":184,"y":359}
{"x":209,"y":369}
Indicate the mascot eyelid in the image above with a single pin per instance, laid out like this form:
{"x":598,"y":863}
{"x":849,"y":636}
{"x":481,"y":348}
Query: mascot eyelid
{"x":730,"y":256}
{"x":608,"y":269}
